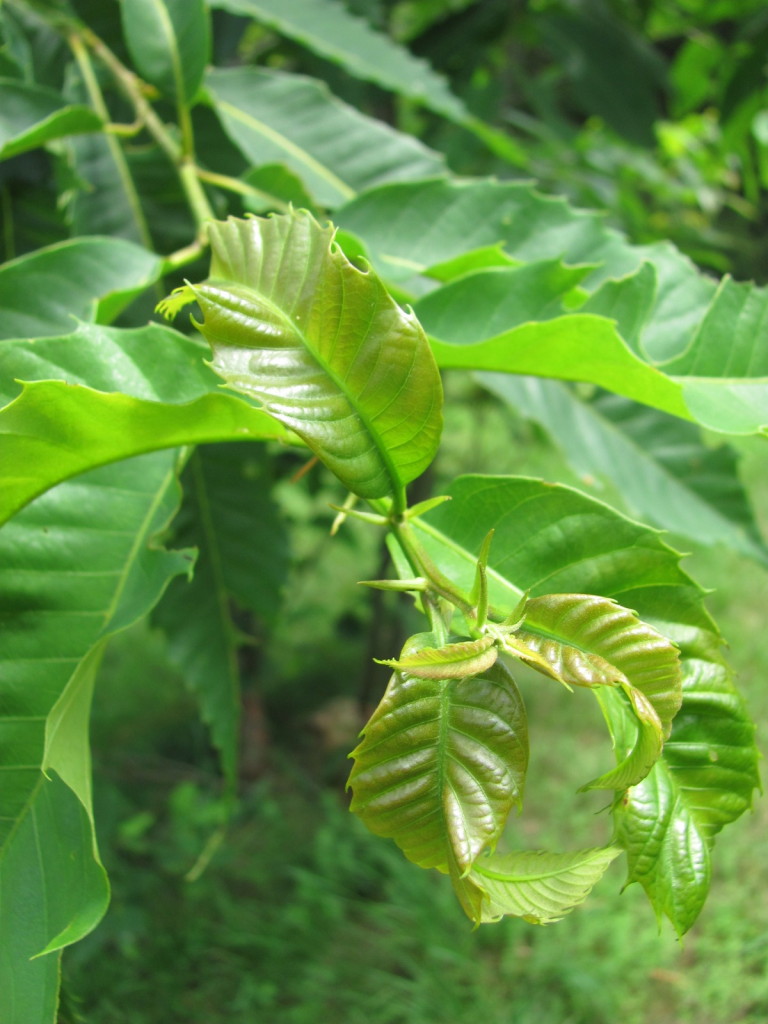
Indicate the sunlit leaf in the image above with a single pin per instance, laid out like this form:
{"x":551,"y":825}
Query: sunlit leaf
{"x":323,"y":346}
{"x":454,"y":661}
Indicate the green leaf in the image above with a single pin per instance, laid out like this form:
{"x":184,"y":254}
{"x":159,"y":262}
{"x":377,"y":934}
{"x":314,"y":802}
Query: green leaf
{"x":77,"y":565}
{"x":488,"y":302}
{"x":575,"y":543}
{"x":454,"y":661}
{"x":590,"y":640}
{"x":169,"y":42}
{"x":642,"y":734}
{"x":538,"y":886}
{"x":727,"y":361}
{"x":410,"y":227}
{"x":705,"y":780}
{"x":55,"y":430}
{"x":88,"y":278}
{"x":659,"y":465}
{"x":275,"y":117}
{"x":31,"y":116}
{"x":226,"y":509}
{"x":441,"y":764}
{"x":352,"y":374}
{"x":330,"y":30}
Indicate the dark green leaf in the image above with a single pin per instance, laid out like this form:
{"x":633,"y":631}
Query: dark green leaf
{"x":90,"y":278}
{"x":78,"y":565}
{"x":336,"y":151}
{"x":169,"y":42}
{"x":332,"y":31}
{"x":229,"y":516}
{"x":31,"y":116}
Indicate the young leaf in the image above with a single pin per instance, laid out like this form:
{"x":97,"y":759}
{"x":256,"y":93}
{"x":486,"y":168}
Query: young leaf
{"x":169,"y":42}
{"x":87,"y":278}
{"x":590,"y":640}
{"x":33,"y":116}
{"x":454,"y":661}
{"x":441,"y":764}
{"x":336,"y":151}
{"x":644,"y":743}
{"x":538,"y":886}
{"x":574,"y":542}
{"x":325,"y":349}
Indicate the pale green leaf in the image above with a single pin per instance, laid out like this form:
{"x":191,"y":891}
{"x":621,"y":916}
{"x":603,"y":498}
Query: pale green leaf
{"x":88,"y":278}
{"x":323,"y":346}
{"x":273,"y":117}
{"x":441,"y":764}
{"x":454,"y":661}
{"x":590,"y":640}
{"x":31,"y":116}
{"x":538,"y":886}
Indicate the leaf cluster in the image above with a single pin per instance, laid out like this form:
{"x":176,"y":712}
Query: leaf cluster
{"x":139,"y":461}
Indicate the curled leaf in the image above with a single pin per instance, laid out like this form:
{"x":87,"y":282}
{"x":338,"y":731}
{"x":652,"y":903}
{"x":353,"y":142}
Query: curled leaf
{"x":454,"y":661}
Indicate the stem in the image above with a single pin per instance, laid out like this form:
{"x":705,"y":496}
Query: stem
{"x":115,"y":149}
{"x":181,"y":156}
{"x":180,"y":258}
{"x":423,"y":565}
{"x":241,"y":187}
{"x":196,"y":197}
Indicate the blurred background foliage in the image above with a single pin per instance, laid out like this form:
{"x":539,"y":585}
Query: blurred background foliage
{"x":284,"y":910}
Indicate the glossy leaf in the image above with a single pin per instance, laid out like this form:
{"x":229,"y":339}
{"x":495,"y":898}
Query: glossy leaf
{"x":273,"y":117}
{"x":38,"y":452}
{"x":329,"y":29}
{"x":659,"y":465}
{"x":226,"y":513}
{"x":705,"y":780}
{"x":169,"y":42}
{"x":323,"y":346}
{"x":441,"y":764}
{"x":644,"y":738}
{"x":33,"y":116}
{"x":590,"y":640}
{"x":78,"y":565}
{"x":454,"y":661}
{"x":88,"y":278}
{"x":540,"y":887}
{"x":577,"y":543}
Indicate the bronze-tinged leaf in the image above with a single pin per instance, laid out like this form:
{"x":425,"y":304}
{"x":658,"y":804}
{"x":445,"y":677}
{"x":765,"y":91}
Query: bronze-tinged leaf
{"x":441,"y":765}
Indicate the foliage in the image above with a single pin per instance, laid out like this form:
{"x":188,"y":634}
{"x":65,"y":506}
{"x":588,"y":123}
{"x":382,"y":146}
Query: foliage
{"x":332,"y":338}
